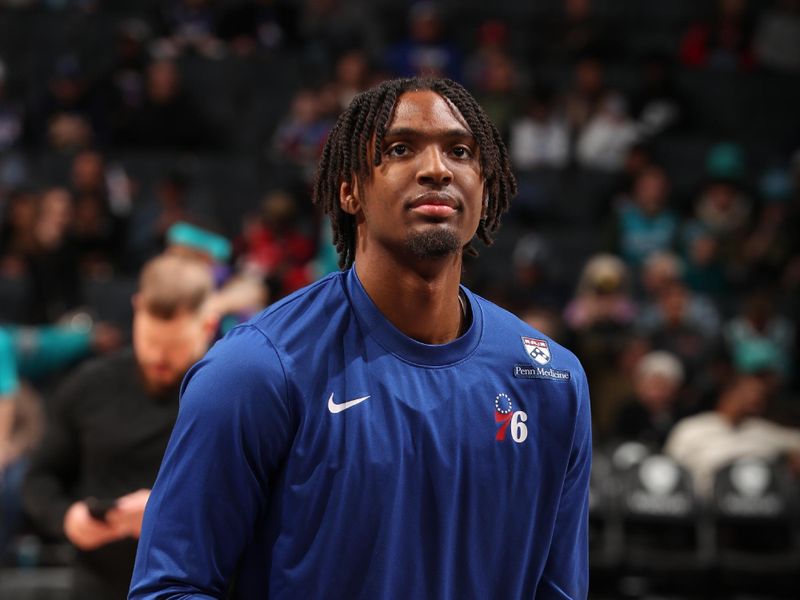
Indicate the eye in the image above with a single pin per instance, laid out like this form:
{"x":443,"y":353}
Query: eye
{"x":462,"y":152}
{"x":397,"y":150}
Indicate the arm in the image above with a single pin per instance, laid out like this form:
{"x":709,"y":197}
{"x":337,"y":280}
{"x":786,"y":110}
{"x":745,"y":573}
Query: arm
{"x":54,"y":465}
{"x":232,"y":433}
{"x":566,"y":574}
{"x":53,"y":472}
{"x":9,"y":384}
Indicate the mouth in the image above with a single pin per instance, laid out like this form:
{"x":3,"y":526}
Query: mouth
{"x":434,"y":204}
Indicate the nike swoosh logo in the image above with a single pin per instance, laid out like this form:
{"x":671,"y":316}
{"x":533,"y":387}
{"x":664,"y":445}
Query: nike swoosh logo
{"x":337,"y":408}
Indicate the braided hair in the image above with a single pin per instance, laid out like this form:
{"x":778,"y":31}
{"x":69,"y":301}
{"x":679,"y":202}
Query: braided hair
{"x":346,"y":155}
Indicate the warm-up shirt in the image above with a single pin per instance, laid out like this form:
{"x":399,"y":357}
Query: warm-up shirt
{"x":321,"y":453}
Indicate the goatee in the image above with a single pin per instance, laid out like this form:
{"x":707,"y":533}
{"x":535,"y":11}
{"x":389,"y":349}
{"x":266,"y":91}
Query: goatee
{"x":433,"y":244}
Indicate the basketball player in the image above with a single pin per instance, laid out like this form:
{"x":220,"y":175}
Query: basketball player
{"x":384,"y":432}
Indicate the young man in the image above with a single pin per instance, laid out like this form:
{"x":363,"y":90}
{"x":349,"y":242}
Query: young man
{"x":110,"y":423}
{"x":383,"y":433}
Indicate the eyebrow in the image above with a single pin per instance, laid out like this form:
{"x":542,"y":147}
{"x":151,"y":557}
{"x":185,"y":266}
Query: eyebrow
{"x":410,"y":132}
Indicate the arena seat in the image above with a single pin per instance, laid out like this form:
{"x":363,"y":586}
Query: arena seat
{"x":665,"y":538}
{"x":754,"y":509}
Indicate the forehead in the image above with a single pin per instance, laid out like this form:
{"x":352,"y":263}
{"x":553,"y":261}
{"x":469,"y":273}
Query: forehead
{"x":426,"y":110}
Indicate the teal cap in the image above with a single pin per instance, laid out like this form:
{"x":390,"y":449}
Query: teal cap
{"x":213,"y":244}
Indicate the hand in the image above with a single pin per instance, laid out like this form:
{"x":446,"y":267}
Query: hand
{"x":106,"y":338}
{"x":86,"y":532}
{"x":128,"y":512}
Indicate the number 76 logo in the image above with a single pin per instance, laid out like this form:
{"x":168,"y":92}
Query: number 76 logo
{"x":507,"y":417}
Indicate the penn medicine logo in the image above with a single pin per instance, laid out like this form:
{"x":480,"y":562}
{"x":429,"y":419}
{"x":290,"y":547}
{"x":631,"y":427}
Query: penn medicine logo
{"x":537,"y":350}
{"x":508,"y":418}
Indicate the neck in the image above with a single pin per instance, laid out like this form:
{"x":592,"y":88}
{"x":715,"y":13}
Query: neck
{"x":420,"y":297}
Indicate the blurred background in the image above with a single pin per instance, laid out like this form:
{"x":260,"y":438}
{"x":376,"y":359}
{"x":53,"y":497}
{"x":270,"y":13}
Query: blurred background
{"x":656,"y":232}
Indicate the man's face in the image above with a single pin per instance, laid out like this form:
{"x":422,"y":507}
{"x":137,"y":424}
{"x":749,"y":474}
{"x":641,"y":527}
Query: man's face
{"x":166,"y":348}
{"x":425,"y":198}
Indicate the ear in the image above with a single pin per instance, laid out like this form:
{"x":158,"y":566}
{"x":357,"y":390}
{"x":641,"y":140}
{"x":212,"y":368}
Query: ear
{"x":136,"y":301}
{"x":210,"y":325}
{"x":348,"y":198}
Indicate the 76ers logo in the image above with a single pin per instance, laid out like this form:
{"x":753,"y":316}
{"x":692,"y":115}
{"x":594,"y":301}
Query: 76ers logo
{"x":505,"y":414}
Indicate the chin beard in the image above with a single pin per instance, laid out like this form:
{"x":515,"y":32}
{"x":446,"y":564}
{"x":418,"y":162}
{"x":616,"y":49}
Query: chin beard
{"x":436,"y":243}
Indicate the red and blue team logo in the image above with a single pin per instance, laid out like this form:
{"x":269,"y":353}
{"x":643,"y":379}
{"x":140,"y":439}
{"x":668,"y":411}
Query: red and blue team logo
{"x":537,"y":350}
{"x":508,"y":418}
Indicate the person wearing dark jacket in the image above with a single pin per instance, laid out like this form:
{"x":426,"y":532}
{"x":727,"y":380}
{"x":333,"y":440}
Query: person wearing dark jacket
{"x":109,"y":424}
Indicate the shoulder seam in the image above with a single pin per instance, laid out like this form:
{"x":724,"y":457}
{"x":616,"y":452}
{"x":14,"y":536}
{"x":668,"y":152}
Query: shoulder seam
{"x":289,"y":405}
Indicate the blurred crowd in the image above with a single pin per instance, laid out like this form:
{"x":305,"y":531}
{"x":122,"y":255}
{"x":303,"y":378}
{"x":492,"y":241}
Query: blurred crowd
{"x":681,"y":295}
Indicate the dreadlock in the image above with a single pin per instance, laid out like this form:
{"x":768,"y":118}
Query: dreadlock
{"x":346,"y":155}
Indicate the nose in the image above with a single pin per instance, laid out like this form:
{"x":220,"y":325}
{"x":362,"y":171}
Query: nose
{"x":433,"y":169}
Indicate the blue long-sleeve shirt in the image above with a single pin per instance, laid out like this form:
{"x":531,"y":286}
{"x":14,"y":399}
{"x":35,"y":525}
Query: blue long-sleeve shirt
{"x":321,"y":453}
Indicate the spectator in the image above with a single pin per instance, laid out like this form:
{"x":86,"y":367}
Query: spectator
{"x":534,"y":281}
{"x":109,"y":425}
{"x":644,"y":223}
{"x":601,"y":317}
{"x":575,"y":33}
{"x":66,"y":117}
{"x":267,"y":25}
{"x":55,"y":286}
{"x":723,"y":43}
{"x":772,"y":239}
{"x":586,"y":94}
{"x":238,"y":295}
{"x":189,"y":27}
{"x":493,"y":75}
{"x":20,"y":428}
{"x":539,"y":137}
{"x":18,"y":233}
{"x":598,"y":119}
{"x":759,"y":333}
{"x":688,"y":326}
{"x":704,"y":269}
{"x":301,"y":134}
{"x":425,"y":52}
{"x":154,"y":215}
{"x":169,"y":119}
{"x":735,"y":429}
{"x":122,"y":85}
{"x":12,"y":129}
{"x":723,"y":208}
{"x":274,"y":246}
{"x":777,"y":36}
{"x":603,"y":296}
{"x":658,"y":272}
{"x":102,"y":203}
{"x":605,"y":139}
{"x":351,"y":77}
{"x":330,"y":27}
{"x":650,"y":413}
{"x":658,"y":106}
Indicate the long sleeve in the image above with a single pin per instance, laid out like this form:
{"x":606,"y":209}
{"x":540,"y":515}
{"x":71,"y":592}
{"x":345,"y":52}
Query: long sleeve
{"x":46,"y":492}
{"x":232,"y":432}
{"x":566,"y":574}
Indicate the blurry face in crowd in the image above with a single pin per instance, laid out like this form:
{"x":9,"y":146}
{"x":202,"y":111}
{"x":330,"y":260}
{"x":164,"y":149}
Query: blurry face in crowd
{"x":162,"y":82}
{"x":651,"y":190}
{"x":351,"y":70}
{"x":55,"y":216}
{"x":87,"y":171}
{"x":589,"y":76}
{"x":656,"y":391}
{"x":673,"y":302}
{"x":722,"y":196}
{"x":166,"y":348}
{"x":750,"y":396}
